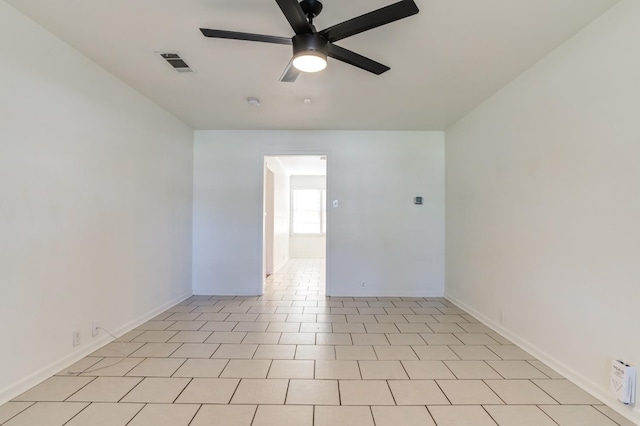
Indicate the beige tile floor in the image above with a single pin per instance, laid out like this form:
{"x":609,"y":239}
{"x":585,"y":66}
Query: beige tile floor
{"x":295,"y":357}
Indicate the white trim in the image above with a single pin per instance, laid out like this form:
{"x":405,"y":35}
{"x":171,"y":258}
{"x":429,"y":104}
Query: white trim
{"x":275,"y":152}
{"x":55,"y":367}
{"x":584,"y":383}
{"x":231,"y":294}
{"x":388,"y":294}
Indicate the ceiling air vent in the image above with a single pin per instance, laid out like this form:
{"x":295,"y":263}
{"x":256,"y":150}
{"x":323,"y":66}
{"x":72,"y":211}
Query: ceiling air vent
{"x":176,"y":62}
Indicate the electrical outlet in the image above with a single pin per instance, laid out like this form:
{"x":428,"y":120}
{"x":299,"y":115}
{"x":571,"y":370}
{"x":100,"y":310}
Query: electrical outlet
{"x":76,"y":338}
{"x":364,"y":284}
{"x":95,"y":328}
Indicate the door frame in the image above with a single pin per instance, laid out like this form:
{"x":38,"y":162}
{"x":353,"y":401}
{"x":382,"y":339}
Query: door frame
{"x":268,"y":224}
{"x":293,"y":152}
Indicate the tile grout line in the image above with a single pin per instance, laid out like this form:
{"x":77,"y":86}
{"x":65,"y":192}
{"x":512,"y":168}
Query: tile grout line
{"x":195,"y":414}
{"x":546,"y":414}
{"x":136,"y":414}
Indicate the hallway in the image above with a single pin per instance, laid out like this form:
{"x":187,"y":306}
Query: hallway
{"x":298,"y":279}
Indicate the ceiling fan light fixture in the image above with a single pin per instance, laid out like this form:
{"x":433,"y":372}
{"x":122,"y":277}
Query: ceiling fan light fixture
{"x":309,"y":52}
{"x":310,"y":62}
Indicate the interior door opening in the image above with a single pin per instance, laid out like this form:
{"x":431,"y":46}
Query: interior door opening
{"x":295,"y":227}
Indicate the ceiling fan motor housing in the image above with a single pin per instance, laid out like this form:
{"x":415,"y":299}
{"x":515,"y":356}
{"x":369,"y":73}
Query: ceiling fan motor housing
{"x":310,"y":44}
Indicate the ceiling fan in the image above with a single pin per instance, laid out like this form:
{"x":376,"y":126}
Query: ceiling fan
{"x":311,"y":47}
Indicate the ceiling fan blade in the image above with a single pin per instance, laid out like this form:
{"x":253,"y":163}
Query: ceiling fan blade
{"x":371,"y":20}
{"x":295,"y":15}
{"x":356,"y":60}
{"x":290,"y":74}
{"x":233,"y":35}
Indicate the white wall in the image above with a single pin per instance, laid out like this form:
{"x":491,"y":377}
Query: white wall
{"x":543,"y":205}
{"x":376,"y":235}
{"x":282,"y":196}
{"x":95,"y":212}
{"x":308,"y":245}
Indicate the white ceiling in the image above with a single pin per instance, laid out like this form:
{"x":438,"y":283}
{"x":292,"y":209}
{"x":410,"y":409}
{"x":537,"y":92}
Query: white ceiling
{"x":309,"y":165}
{"x":444,"y":61}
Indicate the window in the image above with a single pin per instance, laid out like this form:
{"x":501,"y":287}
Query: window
{"x":309,"y":213}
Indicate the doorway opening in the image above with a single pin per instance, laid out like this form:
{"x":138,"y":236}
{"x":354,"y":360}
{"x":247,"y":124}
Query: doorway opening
{"x":295,"y":224}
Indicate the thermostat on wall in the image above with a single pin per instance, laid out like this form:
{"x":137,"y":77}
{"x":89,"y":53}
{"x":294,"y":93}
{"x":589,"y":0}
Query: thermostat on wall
{"x":417,"y":200}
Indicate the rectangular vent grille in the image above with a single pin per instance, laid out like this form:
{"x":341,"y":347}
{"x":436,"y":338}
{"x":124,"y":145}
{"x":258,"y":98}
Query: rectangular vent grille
{"x":176,"y":62}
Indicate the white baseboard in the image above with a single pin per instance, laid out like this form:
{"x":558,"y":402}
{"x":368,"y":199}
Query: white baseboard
{"x":230,"y":294}
{"x":586,"y":384}
{"x":55,"y":367}
{"x":388,"y":294}
{"x":280,"y":265}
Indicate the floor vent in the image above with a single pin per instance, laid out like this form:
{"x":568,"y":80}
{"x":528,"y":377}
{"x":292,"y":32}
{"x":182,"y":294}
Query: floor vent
{"x":176,"y":62}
